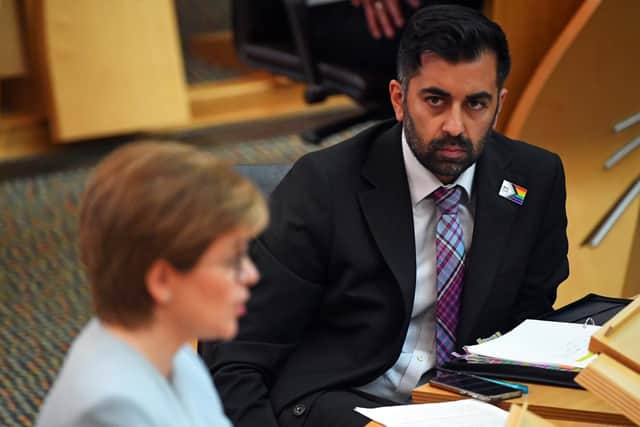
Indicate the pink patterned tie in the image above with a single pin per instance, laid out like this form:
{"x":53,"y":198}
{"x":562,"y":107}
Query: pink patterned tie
{"x":450,"y":257}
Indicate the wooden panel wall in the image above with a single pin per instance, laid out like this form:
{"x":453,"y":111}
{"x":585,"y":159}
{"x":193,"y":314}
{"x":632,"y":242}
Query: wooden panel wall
{"x":587,"y":82}
{"x":11,"y":50}
{"x":531,"y":28}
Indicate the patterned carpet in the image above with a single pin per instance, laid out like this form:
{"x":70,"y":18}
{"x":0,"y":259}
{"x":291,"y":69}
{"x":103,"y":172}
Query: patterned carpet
{"x":44,"y":298}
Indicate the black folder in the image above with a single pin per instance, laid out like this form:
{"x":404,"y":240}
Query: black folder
{"x":590,"y":308}
{"x":598,"y":308}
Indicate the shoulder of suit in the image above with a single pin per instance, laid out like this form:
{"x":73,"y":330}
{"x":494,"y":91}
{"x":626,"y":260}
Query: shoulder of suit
{"x":344,"y":159}
{"x":354,"y":146}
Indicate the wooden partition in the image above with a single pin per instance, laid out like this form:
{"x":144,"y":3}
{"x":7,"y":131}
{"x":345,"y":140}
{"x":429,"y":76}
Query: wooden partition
{"x":587,"y":82}
{"x":112,"y":66}
{"x":531,"y":28}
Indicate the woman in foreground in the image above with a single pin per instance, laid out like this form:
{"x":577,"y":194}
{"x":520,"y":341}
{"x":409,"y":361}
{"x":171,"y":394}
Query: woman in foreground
{"x":164,"y":230}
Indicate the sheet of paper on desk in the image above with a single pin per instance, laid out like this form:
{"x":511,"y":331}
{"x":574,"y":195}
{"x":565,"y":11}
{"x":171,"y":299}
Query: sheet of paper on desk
{"x":458,"y":413}
{"x":542,"y":343}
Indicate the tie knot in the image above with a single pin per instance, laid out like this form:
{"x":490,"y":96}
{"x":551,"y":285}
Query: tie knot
{"x":447,"y":199}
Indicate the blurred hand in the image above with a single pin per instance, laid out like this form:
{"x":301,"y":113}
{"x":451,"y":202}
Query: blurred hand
{"x":384,"y":17}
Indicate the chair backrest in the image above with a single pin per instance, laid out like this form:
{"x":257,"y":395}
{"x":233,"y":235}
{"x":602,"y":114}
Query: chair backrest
{"x":259,"y":21}
{"x":272,"y":35}
{"x":265,"y":176}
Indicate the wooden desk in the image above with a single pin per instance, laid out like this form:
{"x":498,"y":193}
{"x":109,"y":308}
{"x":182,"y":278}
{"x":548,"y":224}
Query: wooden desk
{"x":552,"y":403}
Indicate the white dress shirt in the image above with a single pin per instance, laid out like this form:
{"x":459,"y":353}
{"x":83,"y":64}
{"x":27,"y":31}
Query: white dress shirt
{"x":418,"y":352}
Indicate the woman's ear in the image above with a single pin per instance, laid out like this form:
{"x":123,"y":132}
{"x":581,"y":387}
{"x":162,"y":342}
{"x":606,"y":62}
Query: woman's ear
{"x":160,"y":281}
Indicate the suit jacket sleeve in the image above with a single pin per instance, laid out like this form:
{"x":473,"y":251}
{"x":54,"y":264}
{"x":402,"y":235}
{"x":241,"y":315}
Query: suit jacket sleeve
{"x":548,"y":265}
{"x":291,"y":257}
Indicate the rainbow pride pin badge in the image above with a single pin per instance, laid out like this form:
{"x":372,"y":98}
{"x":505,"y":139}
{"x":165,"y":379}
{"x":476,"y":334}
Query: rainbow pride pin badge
{"x":513,"y":192}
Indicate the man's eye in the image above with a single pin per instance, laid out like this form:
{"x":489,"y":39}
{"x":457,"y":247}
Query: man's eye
{"x":477,"y":105}
{"x":434,"y":101}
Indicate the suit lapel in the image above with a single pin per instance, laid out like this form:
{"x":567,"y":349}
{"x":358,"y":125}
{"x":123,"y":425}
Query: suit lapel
{"x":493,"y":221}
{"x":387,"y":209}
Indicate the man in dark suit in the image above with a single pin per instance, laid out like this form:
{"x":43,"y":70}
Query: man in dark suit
{"x":350,"y":310}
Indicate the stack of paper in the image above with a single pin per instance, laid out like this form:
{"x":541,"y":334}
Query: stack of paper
{"x":540,"y":343}
{"x":459,"y":413}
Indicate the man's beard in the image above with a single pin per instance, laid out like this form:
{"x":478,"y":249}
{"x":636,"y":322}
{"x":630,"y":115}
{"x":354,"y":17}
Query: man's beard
{"x":426,"y":152}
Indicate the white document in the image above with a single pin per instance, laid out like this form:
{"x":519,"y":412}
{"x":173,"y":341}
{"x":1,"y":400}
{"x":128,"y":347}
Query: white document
{"x":541,"y":342}
{"x":459,"y":413}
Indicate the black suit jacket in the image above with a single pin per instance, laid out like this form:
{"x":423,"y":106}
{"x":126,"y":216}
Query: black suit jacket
{"x":338,"y":271}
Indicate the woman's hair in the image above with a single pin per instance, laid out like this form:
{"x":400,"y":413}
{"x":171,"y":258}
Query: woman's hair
{"x":156,"y":200}
{"x":454,"y":33}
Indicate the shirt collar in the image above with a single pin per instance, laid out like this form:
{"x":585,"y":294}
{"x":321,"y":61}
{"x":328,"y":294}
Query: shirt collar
{"x":423,"y":182}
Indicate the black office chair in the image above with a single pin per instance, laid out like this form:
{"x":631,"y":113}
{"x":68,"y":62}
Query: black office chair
{"x":273,"y":35}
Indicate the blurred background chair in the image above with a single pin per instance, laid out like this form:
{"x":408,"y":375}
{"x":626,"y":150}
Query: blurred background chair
{"x":274,"y":35}
{"x":265,"y":176}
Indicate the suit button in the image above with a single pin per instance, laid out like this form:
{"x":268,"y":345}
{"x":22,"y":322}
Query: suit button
{"x":299,"y":409}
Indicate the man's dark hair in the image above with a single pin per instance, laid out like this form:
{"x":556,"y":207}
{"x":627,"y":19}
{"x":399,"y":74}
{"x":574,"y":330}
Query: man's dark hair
{"x":454,"y":33}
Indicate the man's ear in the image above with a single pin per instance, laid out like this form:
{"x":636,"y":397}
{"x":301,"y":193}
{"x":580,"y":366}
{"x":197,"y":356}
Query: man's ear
{"x":396,"y":95}
{"x":501,"y":98}
{"x":160,"y":281}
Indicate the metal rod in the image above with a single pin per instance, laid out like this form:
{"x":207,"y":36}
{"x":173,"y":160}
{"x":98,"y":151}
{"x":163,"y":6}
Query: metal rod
{"x":620,"y":126}
{"x":622,"y":153}
{"x":603,"y":228}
